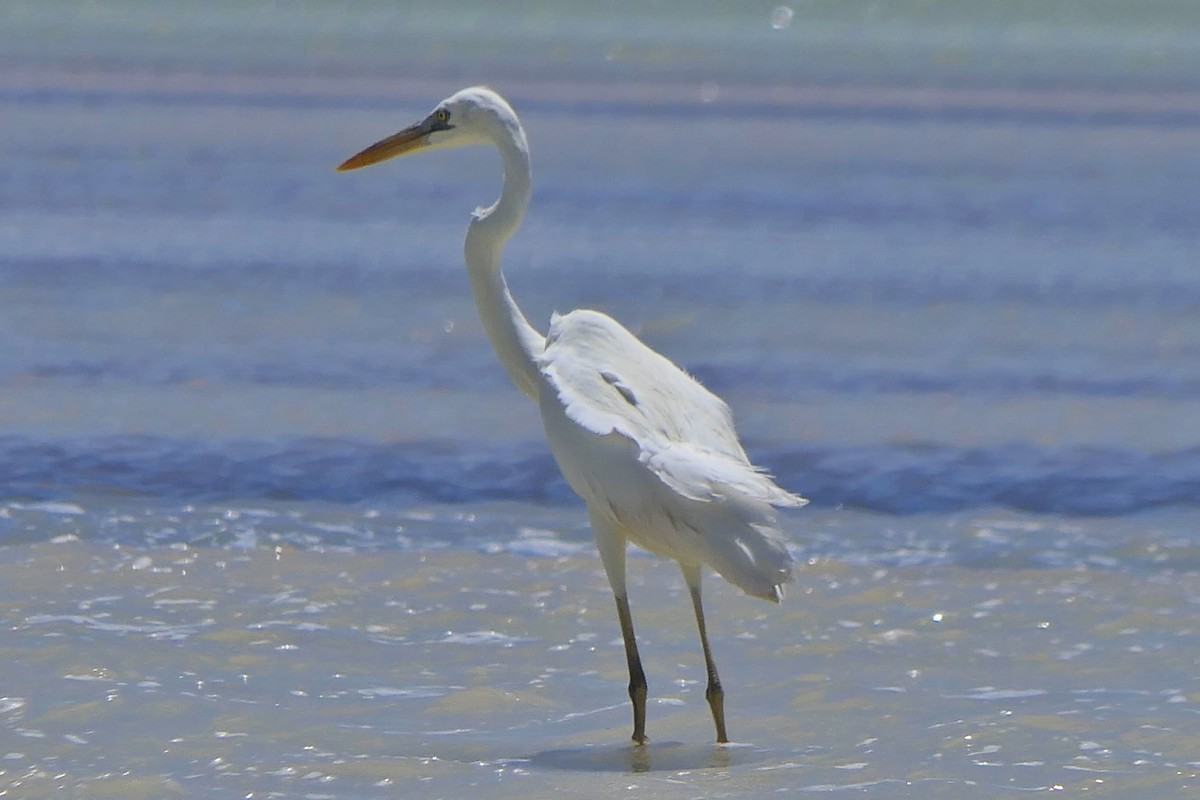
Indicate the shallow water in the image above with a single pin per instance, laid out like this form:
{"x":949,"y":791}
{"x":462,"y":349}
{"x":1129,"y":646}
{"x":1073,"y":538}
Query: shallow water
{"x":343,"y":673}
{"x":274,"y":523}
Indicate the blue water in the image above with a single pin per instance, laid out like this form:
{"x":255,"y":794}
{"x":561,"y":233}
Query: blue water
{"x":913,"y":309}
{"x":892,"y":479}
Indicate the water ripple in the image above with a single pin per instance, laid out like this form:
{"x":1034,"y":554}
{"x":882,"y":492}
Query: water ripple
{"x":45,"y":476}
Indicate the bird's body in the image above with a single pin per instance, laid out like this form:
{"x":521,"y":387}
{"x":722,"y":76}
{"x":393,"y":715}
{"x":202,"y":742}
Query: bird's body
{"x":653,"y":454}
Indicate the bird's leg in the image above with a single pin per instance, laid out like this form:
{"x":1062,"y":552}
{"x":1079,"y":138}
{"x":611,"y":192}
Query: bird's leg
{"x":637,"y":678}
{"x":611,"y":545}
{"x":714,"y":694}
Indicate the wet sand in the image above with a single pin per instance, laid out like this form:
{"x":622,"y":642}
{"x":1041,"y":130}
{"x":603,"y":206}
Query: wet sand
{"x":287,"y":672}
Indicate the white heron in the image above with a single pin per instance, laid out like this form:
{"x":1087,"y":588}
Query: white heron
{"x":652,"y":452}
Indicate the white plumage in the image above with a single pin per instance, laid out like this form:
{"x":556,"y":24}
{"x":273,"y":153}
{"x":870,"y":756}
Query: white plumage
{"x":655,"y":453}
{"x":652,"y":452}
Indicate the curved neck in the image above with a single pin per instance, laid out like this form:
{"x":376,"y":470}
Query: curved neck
{"x":517,"y":343}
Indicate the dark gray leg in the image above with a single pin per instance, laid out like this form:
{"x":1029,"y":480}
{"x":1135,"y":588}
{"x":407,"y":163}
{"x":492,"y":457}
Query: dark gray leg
{"x":714,"y":694}
{"x":637,"y":678}
{"x":611,"y":544}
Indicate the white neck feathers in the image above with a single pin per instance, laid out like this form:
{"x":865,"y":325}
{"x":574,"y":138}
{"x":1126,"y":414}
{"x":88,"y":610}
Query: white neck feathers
{"x":516,"y":342}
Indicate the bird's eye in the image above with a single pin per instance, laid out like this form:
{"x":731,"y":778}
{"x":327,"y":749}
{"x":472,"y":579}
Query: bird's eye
{"x":442,"y":115}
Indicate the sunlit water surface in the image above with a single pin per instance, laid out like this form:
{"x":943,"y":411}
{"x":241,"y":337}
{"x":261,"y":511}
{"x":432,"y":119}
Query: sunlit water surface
{"x":344,"y":673}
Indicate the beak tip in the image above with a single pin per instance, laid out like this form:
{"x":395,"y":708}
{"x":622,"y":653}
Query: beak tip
{"x":353,"y":162}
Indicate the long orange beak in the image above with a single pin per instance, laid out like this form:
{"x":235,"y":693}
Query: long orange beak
{"x":407,"y":140}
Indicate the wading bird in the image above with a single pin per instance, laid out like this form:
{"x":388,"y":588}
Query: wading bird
{"x":652,"y":452}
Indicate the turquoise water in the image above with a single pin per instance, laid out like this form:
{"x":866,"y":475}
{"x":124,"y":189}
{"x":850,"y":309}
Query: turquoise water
{"x":273,"y":521}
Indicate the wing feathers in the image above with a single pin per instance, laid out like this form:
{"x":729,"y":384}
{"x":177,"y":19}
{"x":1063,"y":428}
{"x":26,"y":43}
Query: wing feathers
{"x":655,"y":454}
{"x":608,"y":381}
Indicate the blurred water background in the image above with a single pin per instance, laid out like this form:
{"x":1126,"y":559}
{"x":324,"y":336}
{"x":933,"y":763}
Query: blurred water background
{"x":273,"y":523}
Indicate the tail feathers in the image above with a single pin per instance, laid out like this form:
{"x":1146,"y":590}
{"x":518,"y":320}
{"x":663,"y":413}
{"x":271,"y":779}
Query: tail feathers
{"x":749,"y":553}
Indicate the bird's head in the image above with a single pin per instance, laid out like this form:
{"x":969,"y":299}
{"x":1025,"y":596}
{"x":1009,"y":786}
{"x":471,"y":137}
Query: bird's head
{"x":471,"y":116}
